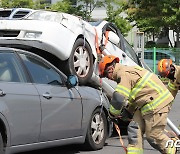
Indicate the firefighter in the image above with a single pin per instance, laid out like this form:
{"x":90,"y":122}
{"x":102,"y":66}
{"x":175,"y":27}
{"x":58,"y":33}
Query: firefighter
{"x":171,"y":71}
{"x":147,"y":96}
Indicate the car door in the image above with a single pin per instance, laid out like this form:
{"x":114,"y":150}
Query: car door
{"x":61,"y":107}
{"x":19,"y":101}
{"x":120,"y":49}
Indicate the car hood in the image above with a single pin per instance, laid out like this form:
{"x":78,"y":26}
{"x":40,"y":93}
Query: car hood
{"x":26,"y":25}
{"x":66,"y":20}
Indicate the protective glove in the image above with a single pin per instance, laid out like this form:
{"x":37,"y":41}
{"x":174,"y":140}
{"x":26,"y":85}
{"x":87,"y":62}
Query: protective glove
{"x":99,"y":57}
{"x":112,"y":118}
{"x":125,"y":115}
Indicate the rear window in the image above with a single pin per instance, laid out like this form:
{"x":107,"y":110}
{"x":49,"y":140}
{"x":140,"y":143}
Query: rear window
{"x":20,"y":14}
{"x":5,"y":13}
{"x":13,"y":13}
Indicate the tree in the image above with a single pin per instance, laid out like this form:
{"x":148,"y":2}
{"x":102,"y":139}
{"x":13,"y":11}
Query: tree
{"x":66,"y":6}
{"x":22,"y":3}
{"x":38,"y":4}
{"x":4,"y":3}
{"x":88,"y":6}
{"x":62,"y":6}
{"x":155,"y":17}
{"x":115,"y":14}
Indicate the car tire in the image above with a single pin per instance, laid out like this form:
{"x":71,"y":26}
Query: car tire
{"x":1,"y":145}
{"x":97,"y":131}
{"x":80,"y":62}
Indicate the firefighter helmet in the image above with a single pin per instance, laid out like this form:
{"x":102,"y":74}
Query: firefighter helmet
{"x":164,"y":67}
{"x":106,"y":60}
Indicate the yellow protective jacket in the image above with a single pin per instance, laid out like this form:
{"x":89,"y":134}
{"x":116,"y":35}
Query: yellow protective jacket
{"x":174,"y":86}
{"x":141,"y":88}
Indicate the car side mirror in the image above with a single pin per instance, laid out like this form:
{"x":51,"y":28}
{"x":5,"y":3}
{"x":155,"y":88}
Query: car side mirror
{"x":114,"y":38}
{"x":72,"y":81}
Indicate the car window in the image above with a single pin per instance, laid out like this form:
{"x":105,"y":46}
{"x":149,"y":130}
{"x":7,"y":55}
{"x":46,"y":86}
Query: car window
{"x":10,"y":68}
{"x":5,"y":13}
{"x":20,"y":14}
{"x":159,"y":56}
{"x":148,"y":55}
{"x":41,"y":73}
{"x":130,"y":52}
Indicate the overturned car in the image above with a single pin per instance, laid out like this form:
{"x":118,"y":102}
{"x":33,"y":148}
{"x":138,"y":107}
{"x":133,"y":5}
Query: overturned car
{"x":67,"y":41}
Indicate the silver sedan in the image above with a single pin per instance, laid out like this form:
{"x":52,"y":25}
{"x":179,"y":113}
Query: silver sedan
{"x":41,"y":107}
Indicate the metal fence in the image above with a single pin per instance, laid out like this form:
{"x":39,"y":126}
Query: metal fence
{"x":153,"y":55}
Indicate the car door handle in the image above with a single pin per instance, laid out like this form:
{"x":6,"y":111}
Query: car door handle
{"x":47,"y":95}
{"x":2,"y":93}
{"x":123,"y":55}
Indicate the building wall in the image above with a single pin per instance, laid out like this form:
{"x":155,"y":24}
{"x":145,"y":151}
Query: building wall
{"x":54,"y":1}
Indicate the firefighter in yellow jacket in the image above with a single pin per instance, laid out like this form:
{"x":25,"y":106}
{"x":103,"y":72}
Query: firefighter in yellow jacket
{"x":171,"y":71}
{"x":149,"y":98}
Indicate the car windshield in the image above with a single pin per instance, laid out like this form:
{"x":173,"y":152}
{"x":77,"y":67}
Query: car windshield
{"x":46,"y":16}
{"x":95,"y":23}
{"x":130,"y":52}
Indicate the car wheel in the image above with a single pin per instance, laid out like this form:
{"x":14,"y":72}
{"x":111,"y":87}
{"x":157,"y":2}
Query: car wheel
{"x":80,"y":62}
{"x":97,"y":131}
{"x":1,"y":145}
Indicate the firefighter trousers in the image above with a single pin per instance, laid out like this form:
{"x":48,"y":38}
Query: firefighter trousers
{"x":153,"y":126}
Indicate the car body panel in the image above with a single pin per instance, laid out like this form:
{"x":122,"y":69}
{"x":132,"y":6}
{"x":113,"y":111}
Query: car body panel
{"x":22,"y":110}
{"x":92,"y":97}
{"x":42,"y":145}
{"x":57,"y":123}
{"x":46,"y":40}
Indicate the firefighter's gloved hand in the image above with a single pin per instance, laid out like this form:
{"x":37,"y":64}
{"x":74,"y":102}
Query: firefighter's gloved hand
{"x":126,"y":115}
{"x":113,"y":118}
{"x":99,"y":57}
{"x":117,"y":104}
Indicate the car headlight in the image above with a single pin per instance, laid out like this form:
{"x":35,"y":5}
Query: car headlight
{"x":32,"y":34}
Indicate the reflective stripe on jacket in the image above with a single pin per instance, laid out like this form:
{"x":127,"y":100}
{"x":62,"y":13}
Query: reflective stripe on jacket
{"x":142,"y":88}
{"x":133,"y":150}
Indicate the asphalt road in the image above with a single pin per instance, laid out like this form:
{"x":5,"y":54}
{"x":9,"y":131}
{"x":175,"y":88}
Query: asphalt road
{"x":113,"y":145}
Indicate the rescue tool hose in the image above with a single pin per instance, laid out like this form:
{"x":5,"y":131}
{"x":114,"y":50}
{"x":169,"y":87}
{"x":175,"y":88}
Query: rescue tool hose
{"x":173,"y":127}
{"x":120,"y":138}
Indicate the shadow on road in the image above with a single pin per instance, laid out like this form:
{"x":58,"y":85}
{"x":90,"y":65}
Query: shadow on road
{"x":70,"y":149}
